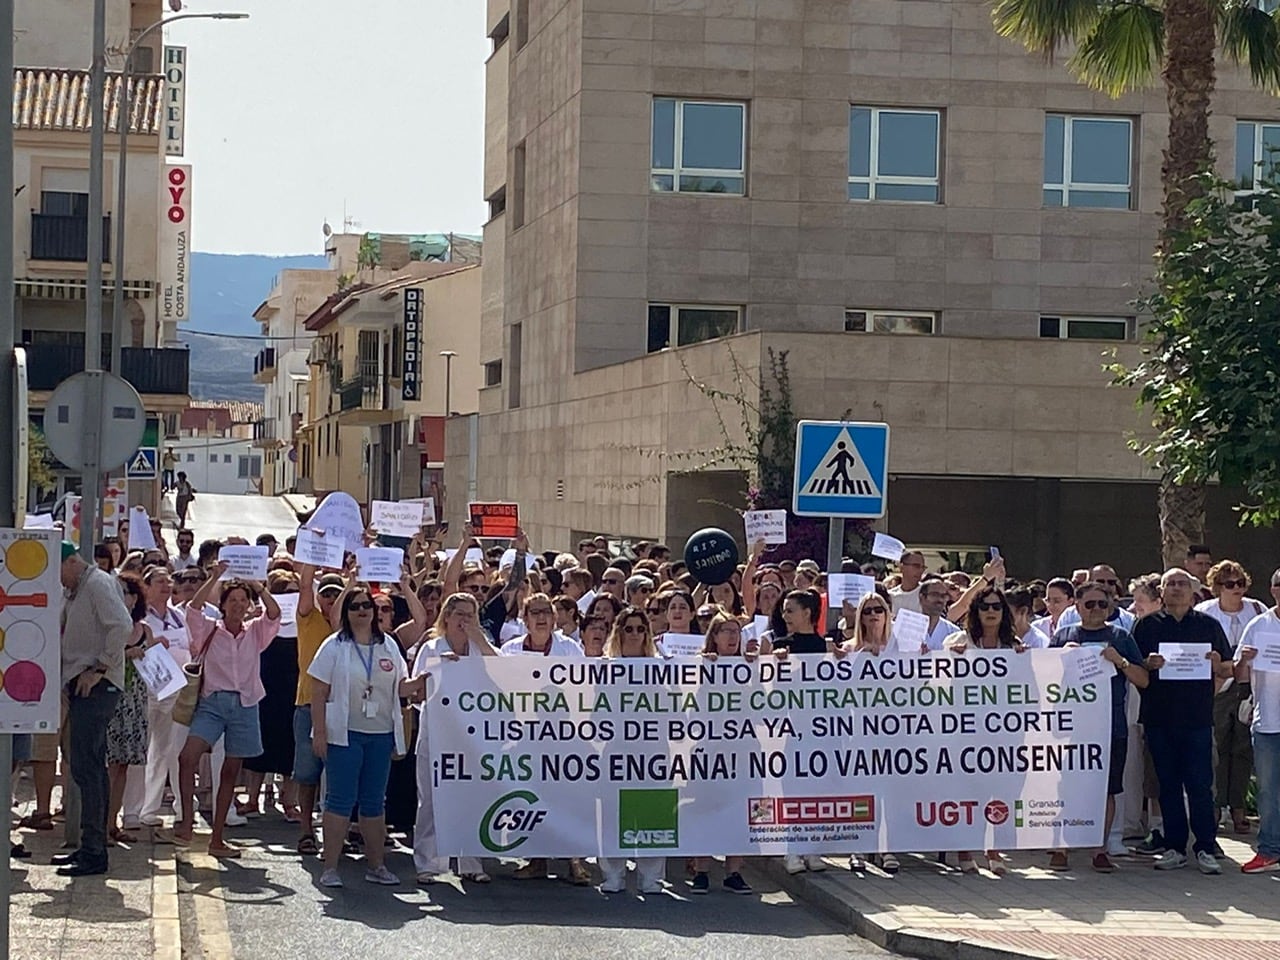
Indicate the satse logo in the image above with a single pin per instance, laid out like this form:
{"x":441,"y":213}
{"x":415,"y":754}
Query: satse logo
{"x":509,"y":822}
{"x":648,"y":819}
{"x":177,"y":189}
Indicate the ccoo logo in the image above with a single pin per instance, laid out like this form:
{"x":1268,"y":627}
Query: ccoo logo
{"x":509,"y":822}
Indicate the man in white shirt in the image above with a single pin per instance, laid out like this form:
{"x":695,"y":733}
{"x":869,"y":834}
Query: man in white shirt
{"x":934,"y":599}
{"x":1265,"y":727}
{"x":184,"y":557}
{"x":906,"y":595}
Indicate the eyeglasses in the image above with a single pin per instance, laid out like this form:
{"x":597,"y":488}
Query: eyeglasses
{"x":475,"y":588}
{"x":635,"y":628}
{"x":639,"y":589}
{"x":990,"y":605}
{"x":873,"y":610}
{"x":361,"y":605}
{"x":1232,"y":584}
{"x":1096,"y":604}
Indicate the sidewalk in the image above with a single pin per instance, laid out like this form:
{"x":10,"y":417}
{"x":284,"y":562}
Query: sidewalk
{"x":938,"y":913}
{"x":130,"y":912}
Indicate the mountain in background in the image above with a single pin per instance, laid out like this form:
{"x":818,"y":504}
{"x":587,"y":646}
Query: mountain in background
{"x":225,"y":290}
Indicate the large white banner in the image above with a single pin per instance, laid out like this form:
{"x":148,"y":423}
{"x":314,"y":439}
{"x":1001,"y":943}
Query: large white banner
{"x":556,"y":757}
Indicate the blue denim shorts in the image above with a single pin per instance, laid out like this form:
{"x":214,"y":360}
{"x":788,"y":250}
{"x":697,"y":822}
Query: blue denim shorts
{"x":307,"y":767}
{"x":222,"y":714}
{"x":358,"y":772}
{"x":21,"y":747}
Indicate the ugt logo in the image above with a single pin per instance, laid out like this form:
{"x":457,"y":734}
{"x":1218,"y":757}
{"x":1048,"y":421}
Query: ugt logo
{"x":648,"y":819}
{"x":510,"y":821}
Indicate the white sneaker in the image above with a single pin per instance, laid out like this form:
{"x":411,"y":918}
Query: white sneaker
{"x":793,"y":864}
{"x":1172,"y":860}
{"x":330,"y":878}
{"x":1117,"y":848}
{"x":815,"y":863}
{"x":1208,"y":863}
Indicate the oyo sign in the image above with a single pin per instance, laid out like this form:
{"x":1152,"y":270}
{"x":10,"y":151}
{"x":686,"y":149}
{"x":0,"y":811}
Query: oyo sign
{"x":174,"y":268}
{"x":177,"y":195}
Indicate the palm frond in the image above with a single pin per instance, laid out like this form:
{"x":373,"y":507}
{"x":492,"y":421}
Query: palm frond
{"x":1124,"y":49}
{"x":1043,"y":26}
{"x":1250,"y":35}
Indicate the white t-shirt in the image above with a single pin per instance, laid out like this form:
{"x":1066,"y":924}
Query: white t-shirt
{"x":560,"y":646}
{"x":360,"y":674}
{"x":1035,"y":639}
{"x":1252,"y":608}
{"x":938,"y":634}
{"x":905,"y":599}
{"x":1265,"y":684}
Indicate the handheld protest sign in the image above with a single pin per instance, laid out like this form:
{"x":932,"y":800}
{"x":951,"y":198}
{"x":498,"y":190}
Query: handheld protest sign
{"x":497,"y":521}
{"x":711,"y":556}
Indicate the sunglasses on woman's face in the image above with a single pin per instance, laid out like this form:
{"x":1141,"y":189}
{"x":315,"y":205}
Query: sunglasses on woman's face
{"x":361,"y":605}
{"x":990,"y":605}
{"x":873,"y":611}
{"x":1231,"y":584}
{"x":1096,"y":604}
{"x":635,"y":628}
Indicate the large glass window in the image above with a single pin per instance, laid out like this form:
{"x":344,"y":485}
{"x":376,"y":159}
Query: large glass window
{"x":1088,"y":161}
{"x":894,"y":154}
{"x":680,"y":325}
{"x":889,"y":321}
{"x":699,"y":146}
{"x":1085,"y":328}
{"x":1257,"y":153}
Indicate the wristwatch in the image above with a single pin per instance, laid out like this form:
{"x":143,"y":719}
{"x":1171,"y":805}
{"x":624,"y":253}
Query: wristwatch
{"x":1124,"y":664}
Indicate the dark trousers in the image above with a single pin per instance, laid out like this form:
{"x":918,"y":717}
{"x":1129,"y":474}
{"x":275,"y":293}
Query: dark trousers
{"x":1235,"y":747}
{"x":88,"y":718}
{"x":1184,"y":762}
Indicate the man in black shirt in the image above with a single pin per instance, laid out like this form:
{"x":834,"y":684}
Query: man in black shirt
{"x":1178,"y":718}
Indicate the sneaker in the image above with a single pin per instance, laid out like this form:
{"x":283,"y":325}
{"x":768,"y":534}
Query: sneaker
{"x":793,"y":864}
{"x":1058,"y":861}
{"x":815,"y":864}
{"x":382,"y":876}
{"x":735,"y":884}
{"x":1171,"y":860}
{"x":889,"y":864}
{"x":1117,"y":848}
{"x":1208,"y":863}
{"x":533,"y":870}
{"x":967,"y":864}
{"x":654,"y":887}
{"x":1153,"y":846}
{"x":330,"y":878}
{"x":1261,"y":863}
{"x":1102,"y":863}
{"x":701,"y":883}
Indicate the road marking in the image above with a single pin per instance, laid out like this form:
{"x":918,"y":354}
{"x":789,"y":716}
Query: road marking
{"x":211,"y":908}
{"x":166,"y":929}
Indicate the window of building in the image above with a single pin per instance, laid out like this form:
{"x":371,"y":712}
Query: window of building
{"x":1088,"y":161}
{"x":699,"y":146}
{"x":513,"y":365}
{"x":1257,"y":153}
{"x":63,"y":203}
{"x":493,"y":373}
{"x":213,"y":458}
{"x":249,"y":467}
{"x":894,"y":154}
{"x":191,"y":458}
{"x":226,"y":458}
{"x":497,"y":202}
{"x":890,"y":321}
{"x":517,"y":186}
{"x":682,"y":324}
{"x":498,"y":35}
{"x":521,"y":25}
{"x":1085,"y":328}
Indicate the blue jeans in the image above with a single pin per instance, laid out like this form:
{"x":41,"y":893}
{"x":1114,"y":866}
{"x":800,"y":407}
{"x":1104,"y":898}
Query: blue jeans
{"x":357,"y":773}
{"x":1184,"y":762}
{"x":1266,"y":766}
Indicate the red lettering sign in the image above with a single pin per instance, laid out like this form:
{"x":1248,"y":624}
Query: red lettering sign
{"x":500,"y":521}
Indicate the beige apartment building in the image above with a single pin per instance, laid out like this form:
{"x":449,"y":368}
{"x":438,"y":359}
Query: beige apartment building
{"x":945,"y":232}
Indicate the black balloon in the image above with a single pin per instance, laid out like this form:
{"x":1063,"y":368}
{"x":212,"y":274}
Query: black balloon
{"x":711,"y":556}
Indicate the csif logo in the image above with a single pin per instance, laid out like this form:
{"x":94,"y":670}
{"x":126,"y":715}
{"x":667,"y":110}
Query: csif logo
{"x":510,"y":820}
{"x":648,"y":819}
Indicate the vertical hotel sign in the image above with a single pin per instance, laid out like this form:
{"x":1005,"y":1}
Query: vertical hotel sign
{"x":174,"y":269}
{"x":412,"y":343}
{"x":175,"y":100}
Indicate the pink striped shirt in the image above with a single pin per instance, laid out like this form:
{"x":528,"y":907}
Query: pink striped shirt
{"x":231,"y":662}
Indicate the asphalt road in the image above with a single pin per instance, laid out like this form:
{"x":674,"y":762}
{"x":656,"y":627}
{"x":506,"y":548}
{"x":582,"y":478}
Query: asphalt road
{"x":230,"y":515}
{"x":274,"y":907}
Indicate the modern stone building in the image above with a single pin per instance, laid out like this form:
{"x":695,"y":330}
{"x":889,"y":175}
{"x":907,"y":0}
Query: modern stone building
{"x":946,"y":233}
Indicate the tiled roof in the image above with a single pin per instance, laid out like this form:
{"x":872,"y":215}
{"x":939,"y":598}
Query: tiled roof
{"x":59,"y":100}
{"x":223,"y":413}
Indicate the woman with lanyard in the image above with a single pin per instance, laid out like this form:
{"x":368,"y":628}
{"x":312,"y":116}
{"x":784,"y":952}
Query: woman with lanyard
{"x":165,"y":738}
{"x":456,"y":634}
{"x":988,"y":626}
{"x":357,"y":679}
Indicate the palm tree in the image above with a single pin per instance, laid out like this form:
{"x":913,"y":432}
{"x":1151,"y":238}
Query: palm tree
{"x":1121,"y":45}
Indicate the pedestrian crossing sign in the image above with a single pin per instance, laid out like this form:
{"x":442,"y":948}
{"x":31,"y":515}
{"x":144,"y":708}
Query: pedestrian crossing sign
{"x":142,"y":465}
{"x":842,"y":469}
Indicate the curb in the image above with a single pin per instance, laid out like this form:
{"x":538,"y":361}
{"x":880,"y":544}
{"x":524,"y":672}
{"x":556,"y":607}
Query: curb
{"x":166,"y":928}
{"x":871,"y":922}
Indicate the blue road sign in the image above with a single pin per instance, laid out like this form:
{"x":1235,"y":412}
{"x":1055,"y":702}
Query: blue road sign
{"x":842,"y":469}
{"x":142,"y":465}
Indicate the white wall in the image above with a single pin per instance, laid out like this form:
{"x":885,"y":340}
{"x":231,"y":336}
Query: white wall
{"x":218,"y":475}
{"x":58,"y":33}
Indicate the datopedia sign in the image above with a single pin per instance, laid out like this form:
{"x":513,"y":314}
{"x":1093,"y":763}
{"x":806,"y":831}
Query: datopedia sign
{"x":510,"y":821}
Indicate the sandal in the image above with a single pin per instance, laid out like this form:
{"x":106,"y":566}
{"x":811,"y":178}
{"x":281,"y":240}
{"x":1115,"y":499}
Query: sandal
{"x":37,"y":821}
{"x":308,"y":847}
{"x":122,"y":836}
{"x":224,"y":853}
{"x":293,"y":814}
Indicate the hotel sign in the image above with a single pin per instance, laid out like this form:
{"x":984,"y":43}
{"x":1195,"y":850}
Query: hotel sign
{"x":175,"y":100}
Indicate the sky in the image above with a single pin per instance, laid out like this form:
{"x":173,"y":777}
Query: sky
{"x":311,"y":107}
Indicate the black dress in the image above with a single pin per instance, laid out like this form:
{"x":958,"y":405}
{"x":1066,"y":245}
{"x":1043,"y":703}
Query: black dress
{"x":279,"y":666}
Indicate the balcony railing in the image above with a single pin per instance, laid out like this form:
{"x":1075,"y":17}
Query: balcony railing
{"x":156,"y":370}
{"x":58,"y":237}
{"x":351,"y":394}
{"x":264,"y":362}
{"x":264,"y":433}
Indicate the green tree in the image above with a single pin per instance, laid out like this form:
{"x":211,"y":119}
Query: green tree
{"x":1122,"y":46}
{"x":1211,"y":373}
{"x":39,"y":461}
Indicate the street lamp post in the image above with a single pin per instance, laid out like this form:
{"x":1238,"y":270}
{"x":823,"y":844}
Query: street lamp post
{"x":122,"y":123}
{"x":448,"y":379}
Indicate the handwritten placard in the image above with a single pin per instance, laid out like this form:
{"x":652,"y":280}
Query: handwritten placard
{"x":318,"y":549}
{"x":338,"y":518}
{"x":247,"y":563}
{"x":396,"y":519}
{"x":497,"y":521}
{"x":1082,"y":665}
{"x":767,"y":525}
{"x":380,"y":564}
